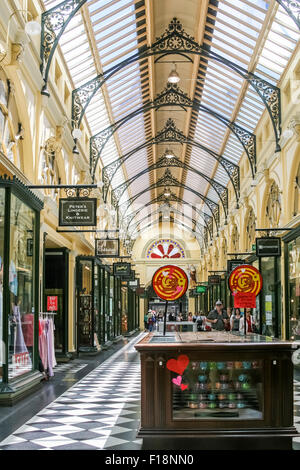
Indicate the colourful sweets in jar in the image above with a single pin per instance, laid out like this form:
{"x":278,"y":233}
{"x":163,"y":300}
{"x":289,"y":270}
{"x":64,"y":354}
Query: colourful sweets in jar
{"x":247,"y":365}
{"x":221,"y":396}
{"x":245,"y":386}
{"x":232,"y":405}
{"x":202,"y":378}
{"x":202,"y":405}
{"x":243,"y":377}
{"x":240,"y":404}
{"x":238,"y":365}
{"x":223,"y":404}
{"x":230,"y":365}
{"x":212,"y":365}
{"x":212,"y":405}
{"x":211,"y":396}
{"x":203,"y":365}
{"x":220,"y":365}
{"x":223,"y":377}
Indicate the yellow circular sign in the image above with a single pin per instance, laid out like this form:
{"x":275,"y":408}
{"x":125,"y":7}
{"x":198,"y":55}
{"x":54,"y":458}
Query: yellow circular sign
{"x":170,"y":282}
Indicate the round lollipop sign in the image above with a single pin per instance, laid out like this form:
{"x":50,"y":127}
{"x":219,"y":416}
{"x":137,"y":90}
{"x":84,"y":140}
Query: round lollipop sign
{"x":170,"y":282}
{"x":245,"y":283}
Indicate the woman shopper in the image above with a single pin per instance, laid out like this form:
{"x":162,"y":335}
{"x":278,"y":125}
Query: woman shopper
{"x":235,"y":320}
{"x":250,"y":328}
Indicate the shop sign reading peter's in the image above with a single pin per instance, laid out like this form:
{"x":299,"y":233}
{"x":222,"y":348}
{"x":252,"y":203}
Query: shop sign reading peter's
{"x":77,"y":212}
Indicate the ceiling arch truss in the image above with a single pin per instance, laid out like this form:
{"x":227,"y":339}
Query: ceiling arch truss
{"x":165,"y":162}
{"x":172,"y":95}
{"x":169,"y":180}
{"x":168,"y":134}
{"x":207,"y":219}
{"x":175,"y":41}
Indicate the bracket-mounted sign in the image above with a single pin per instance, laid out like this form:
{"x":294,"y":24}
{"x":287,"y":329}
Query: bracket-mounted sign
{"x":268,"y":246}
{"x":77,"y":212}
{"x":107,"y":247}
{"x":121,"y":269}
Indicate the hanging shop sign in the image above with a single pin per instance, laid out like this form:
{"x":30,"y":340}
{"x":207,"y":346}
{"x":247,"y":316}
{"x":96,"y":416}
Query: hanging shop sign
{"x":77,"y":211}
{"x":200,"y":289}
{"x":214,"y":280}
{"x":245,"y":283}
{"x":107,"y":247}
{"x":268,"y":246}
{"x":170,"y":282}
{"x":121,"y":269}
{"x":130,"y":277}
{"x":234,"y":263}
{"x":52,"y":303}
{"x":134,"y":284}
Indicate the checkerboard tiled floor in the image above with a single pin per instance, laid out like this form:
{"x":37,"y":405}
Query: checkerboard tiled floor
{"x":101,"y":411}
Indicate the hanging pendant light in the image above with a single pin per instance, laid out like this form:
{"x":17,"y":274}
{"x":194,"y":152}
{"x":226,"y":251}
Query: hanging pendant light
{"x":167,"y":192}
{"x":173,"y":76}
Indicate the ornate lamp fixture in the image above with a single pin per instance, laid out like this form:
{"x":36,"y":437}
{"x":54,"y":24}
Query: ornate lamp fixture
{"x":173,"y":76}
{"x":32,"y":28}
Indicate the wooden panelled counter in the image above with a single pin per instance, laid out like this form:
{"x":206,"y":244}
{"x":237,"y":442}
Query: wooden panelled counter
{"x":228,"y":391}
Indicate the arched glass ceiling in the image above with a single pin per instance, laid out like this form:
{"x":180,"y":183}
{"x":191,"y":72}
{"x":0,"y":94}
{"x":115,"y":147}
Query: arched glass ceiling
{"x":255,"y":34}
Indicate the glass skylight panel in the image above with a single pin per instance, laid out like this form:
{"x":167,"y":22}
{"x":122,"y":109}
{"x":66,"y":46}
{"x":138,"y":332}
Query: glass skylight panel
{"x":212,"y":195}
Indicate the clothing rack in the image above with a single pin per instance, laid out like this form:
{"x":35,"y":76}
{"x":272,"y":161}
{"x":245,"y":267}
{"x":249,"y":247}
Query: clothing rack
{"x":47,"y":313}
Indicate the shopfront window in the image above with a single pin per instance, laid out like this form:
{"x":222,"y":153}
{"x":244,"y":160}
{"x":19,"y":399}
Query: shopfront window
{"x":2,"y":346}
{"x":294,"y":288}
{"x":97,"y":324}
{"x":270,"y":297}
{"x":21,"y":289}
{"x":85,"y":320}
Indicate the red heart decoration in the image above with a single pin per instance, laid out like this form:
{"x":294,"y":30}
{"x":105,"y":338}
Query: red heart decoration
{"x":183,"y":387}
{"x":178,"y":365}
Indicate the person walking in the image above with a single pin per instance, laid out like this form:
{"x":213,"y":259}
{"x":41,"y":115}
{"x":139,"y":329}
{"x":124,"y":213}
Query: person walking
{"x":218,"y":317}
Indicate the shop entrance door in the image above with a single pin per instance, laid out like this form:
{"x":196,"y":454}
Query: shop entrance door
{"x":56,"y":285}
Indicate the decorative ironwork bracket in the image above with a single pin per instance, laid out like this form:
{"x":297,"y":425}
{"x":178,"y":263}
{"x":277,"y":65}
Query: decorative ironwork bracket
{"x":54,"y":23}
{"x":292,"y":7}
{"x":168,"y":134}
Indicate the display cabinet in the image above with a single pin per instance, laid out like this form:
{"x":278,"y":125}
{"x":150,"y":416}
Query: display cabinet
{"x":216,"y":390}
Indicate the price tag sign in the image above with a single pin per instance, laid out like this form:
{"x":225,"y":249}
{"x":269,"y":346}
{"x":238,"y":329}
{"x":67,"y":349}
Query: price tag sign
{"x":52,"y":303}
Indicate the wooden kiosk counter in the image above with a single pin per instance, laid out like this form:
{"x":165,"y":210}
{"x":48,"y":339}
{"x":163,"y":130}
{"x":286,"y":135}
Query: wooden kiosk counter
{"x":216,"y":390}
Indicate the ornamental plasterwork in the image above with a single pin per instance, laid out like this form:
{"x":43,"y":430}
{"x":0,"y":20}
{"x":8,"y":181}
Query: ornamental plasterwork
{"x":235,"y":239}
{"x":273,"y":206}
{"x":250,"y":229}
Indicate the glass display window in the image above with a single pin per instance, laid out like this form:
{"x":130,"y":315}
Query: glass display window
{"x":2,"y":347}
{"x":231,"y":390}
{"x":21,"y":289}
{"x":294,"y":288}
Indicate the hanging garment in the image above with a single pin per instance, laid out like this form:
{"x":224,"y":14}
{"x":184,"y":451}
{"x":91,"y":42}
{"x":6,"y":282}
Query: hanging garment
{"x":20,"y":346}
{"x":49,"y":348}
{"x":27,"y":328}
{"x":43,"y":350}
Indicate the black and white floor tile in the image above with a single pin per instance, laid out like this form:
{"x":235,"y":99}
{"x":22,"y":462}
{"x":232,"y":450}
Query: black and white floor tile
{"x":101,"y":411}
{"x":70,"y":367}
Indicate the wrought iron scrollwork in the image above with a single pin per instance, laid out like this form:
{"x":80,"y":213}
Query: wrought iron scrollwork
{"x":54,"y":22}
{"x":171,"y":134}
{"x":165,"y":162}
{"x":169,"y":180}
{"x":77,"y":192}
{"x":292,"y":7}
